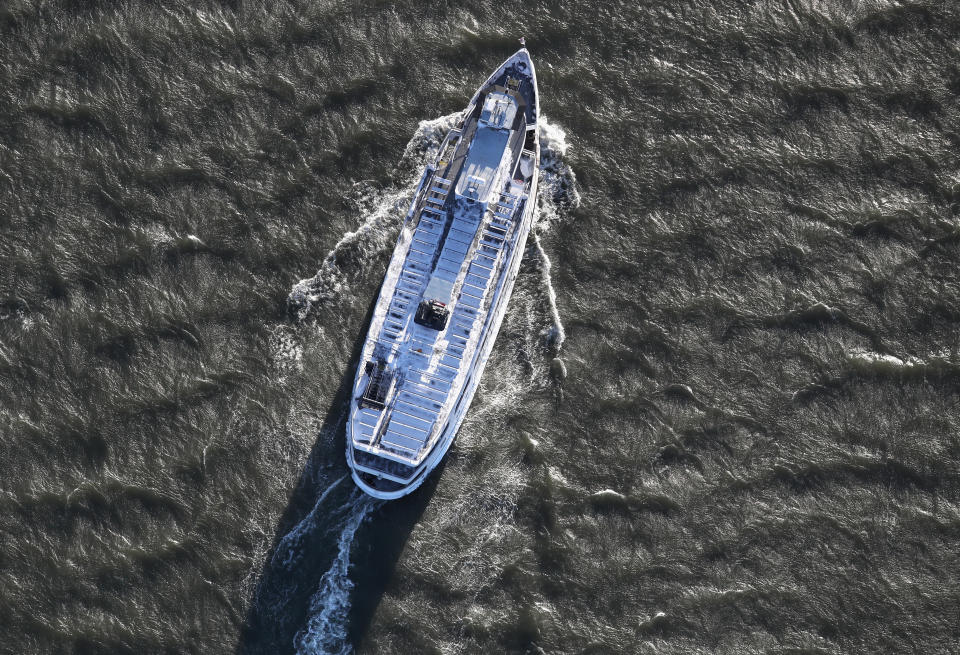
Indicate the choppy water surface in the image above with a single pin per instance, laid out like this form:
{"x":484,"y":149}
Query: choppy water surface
{"x":722,"y":413}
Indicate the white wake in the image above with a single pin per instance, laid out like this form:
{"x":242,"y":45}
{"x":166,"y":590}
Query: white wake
{"x":326,"y":629}
{"x":288,"y":551}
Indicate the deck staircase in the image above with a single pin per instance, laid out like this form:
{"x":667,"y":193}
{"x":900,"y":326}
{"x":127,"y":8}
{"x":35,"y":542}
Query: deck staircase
{"x":437,"y":194}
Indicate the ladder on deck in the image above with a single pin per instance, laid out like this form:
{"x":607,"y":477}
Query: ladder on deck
{"x":504,"y":209}
{"x":439,"y":191}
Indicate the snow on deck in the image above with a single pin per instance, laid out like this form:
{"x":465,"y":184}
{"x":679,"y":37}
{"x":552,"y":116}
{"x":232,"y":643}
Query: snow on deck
{"x":453,"y":255}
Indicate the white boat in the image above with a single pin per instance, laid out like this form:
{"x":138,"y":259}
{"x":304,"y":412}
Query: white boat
{"x":447,"y":287}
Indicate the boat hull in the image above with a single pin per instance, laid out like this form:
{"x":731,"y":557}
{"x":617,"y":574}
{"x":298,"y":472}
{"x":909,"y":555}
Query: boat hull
{"x":390,"y":473}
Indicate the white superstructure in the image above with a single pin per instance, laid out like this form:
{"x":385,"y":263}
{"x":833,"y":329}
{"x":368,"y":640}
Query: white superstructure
{"x":447,"y":287}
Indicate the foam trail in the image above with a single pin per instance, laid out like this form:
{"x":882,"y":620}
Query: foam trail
{"x":386,"y":211}
{"x":326,"y":629}
{"x":558,"y":188}
{"x":288,"y":545}
{"x":556,"y":334}
{"x":329,"y":281}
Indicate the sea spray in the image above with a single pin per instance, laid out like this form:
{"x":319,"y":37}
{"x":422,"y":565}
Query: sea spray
{"x":556,"y":333}
{"x":297,"y":554}
{"x":558,"y":182}
{"x":353,"y":248}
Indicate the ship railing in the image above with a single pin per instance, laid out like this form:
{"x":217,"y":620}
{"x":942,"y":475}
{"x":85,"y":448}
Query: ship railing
{"x":416,"y":203}
{"x":387,"y":452}
{"x":390,"y":469}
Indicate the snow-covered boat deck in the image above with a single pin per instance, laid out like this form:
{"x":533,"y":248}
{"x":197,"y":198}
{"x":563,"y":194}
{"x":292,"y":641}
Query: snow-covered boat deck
{"x":446,"y":287}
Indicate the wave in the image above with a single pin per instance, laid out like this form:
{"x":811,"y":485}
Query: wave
{"x":939,"y":367}
{"x":286,"y":347}
{"x":556,"y":334}
{"x":557,"y":179}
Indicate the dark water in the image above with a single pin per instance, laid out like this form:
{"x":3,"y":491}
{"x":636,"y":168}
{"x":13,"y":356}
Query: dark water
{"x":746,"y":261}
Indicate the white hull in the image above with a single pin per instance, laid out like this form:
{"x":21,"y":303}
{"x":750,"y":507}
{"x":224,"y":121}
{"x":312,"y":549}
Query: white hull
{"x":447,"y":287}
